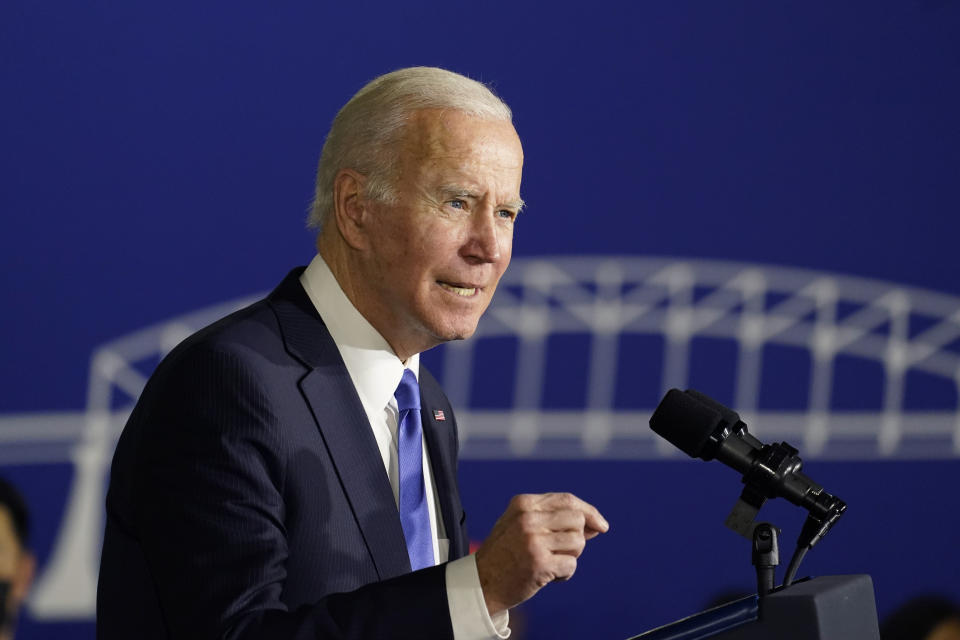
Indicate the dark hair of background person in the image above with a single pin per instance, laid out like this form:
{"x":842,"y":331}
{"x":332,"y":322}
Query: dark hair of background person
{"x":917,"y":617}
{"x":13,"y":501}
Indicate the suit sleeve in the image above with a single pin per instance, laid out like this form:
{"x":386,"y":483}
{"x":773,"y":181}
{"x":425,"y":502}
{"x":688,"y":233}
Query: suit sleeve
{"x":210,"y":517}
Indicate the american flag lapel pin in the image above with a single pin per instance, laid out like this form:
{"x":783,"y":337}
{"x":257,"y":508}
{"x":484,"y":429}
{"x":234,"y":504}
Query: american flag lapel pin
{"x":438,"y":415}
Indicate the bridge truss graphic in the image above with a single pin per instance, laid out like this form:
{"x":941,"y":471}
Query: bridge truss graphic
{"x":604,"y":302}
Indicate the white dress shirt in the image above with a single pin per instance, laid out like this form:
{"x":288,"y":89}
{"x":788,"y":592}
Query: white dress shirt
{"x":375,"y":371}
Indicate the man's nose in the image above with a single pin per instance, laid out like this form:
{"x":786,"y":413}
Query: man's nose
{"x":484,"y":241}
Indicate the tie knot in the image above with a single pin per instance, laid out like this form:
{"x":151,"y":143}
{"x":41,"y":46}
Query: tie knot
{"x":408,"y":392}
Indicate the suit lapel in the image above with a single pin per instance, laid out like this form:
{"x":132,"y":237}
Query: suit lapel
{"x":441,"y":444}
{"x":344,"y":427}
{"x":349,"y":439}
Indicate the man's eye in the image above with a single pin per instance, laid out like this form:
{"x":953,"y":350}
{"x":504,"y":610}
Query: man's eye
{"x":507,"y":214}
{"x":457,"y":204}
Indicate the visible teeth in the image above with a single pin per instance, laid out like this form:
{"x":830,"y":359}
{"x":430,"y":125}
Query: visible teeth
{"x":460,"y":291}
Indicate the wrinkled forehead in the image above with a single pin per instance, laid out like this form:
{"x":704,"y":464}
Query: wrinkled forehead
{"x":449,"y":134}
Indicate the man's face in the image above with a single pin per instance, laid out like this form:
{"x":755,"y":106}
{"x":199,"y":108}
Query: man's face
{"x":436,"y":255}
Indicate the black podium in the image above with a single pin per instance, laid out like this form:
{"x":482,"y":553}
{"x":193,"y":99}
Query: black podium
{"x":824,"y":608}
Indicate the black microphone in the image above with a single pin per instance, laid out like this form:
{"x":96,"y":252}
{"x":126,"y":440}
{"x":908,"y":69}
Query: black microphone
{"x":703,"y":428}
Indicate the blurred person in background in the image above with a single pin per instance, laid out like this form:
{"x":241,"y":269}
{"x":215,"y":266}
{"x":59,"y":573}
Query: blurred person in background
{"x":16,"y":561}
{"x":923,"y":618}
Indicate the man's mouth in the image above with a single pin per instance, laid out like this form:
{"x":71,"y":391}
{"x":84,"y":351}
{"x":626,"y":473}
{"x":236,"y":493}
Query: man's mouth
{"x":459,"y":289}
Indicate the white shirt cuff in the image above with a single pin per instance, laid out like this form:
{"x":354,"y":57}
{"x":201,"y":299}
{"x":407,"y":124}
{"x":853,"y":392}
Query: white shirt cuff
{"x":468,"y":609}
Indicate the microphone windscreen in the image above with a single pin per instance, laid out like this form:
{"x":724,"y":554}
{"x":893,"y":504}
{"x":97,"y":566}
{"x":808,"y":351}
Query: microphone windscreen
{"x":685,"y":422}
{"x":728,"y":415}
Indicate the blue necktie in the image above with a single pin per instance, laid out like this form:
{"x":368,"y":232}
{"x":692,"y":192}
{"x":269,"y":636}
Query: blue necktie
{"x":414,"y":516}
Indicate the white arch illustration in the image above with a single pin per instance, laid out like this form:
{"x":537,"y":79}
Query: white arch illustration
{"x":605,"y":298}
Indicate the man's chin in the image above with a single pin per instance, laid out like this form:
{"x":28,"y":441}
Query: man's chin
{"x":459,"y":331}
{"x":458,"y":335}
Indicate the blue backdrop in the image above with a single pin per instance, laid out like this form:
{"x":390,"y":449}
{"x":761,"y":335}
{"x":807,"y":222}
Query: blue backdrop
{"x":157,"y":159}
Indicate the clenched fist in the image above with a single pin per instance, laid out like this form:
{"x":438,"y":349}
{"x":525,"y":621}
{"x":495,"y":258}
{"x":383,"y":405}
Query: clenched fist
{"x":537,"y":540}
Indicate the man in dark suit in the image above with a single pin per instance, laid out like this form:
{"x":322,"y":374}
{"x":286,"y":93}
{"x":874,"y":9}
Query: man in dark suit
{"x":290,"y":471}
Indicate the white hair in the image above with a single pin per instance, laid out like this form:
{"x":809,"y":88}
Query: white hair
{"x":365,"y":133}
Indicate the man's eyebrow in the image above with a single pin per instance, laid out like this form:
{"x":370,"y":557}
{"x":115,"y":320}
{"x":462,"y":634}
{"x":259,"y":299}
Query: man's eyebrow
{"x":517,"y":205}
{"x":449,"y":191}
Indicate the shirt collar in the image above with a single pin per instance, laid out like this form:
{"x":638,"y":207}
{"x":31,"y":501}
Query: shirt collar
{"x":373,"y":366}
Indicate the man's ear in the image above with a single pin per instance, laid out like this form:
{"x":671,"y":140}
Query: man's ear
{"x":351,"y":211}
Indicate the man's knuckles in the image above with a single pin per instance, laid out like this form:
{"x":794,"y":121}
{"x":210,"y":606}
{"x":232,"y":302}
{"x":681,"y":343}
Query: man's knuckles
{"x":546,"y":502}
{"x":569,"y":542}
{"x":579,"y":521}
{"x":530,"y":523}
{"x":522,"y":502}
{"x":565,"y":501}
{"x":566,"y":520}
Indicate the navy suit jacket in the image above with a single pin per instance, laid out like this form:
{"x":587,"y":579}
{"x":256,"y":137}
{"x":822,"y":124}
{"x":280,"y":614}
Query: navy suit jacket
{"x":248,"y":498}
